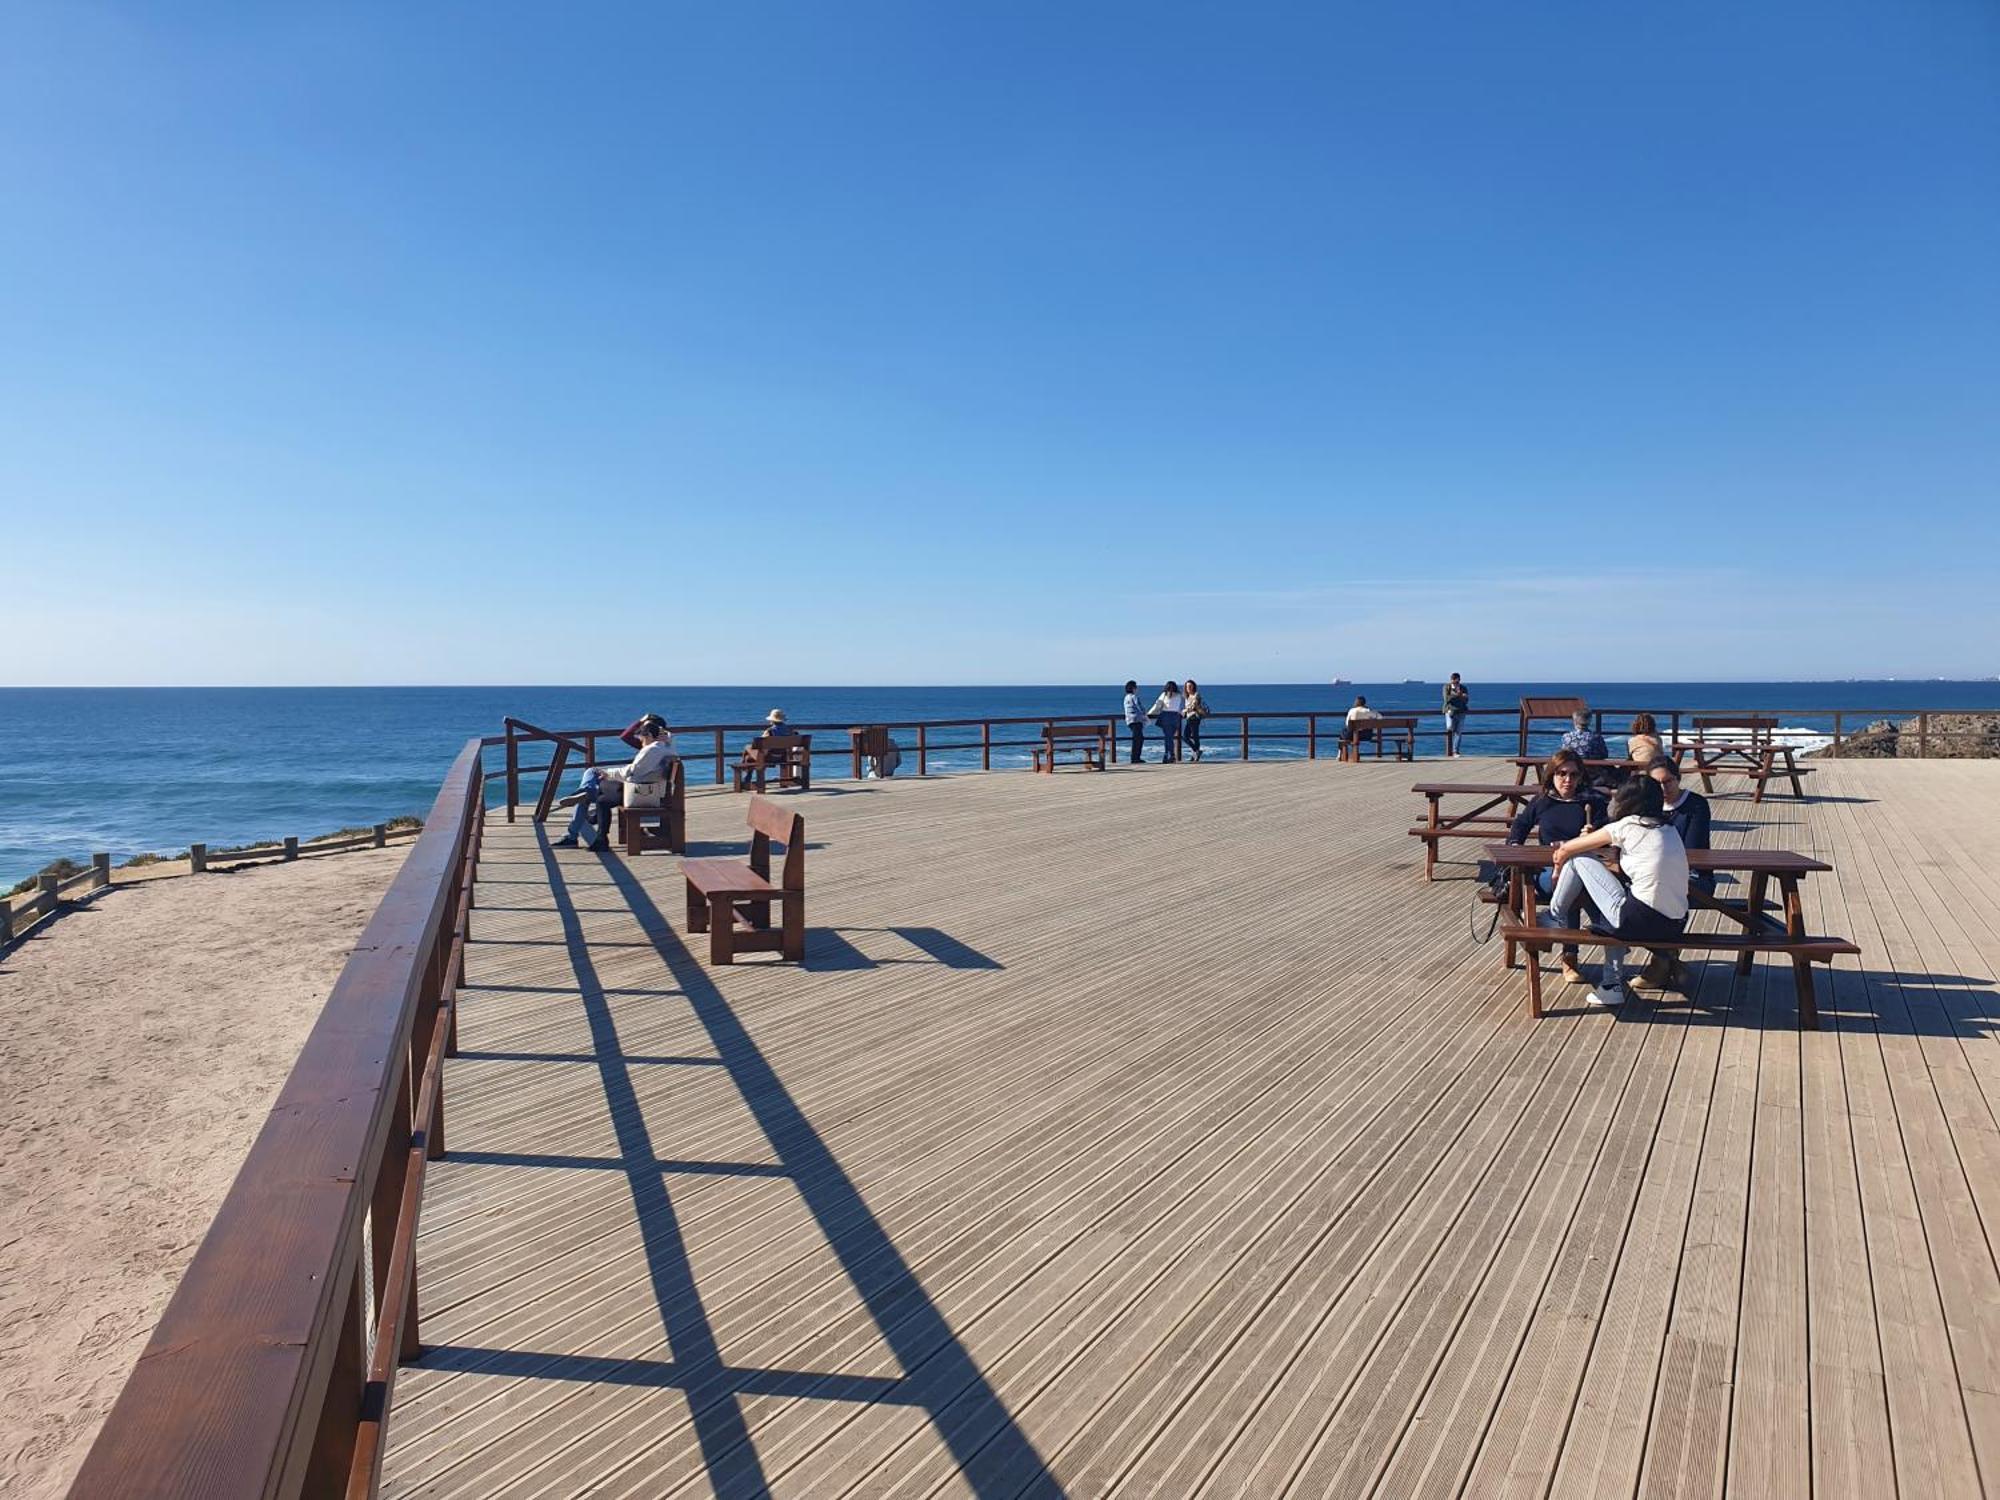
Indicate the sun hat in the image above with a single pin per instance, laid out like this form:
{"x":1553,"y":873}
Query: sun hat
{"x":775,"y":716}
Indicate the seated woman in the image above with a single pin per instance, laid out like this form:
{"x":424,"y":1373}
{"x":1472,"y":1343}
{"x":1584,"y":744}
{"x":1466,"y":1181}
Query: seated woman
{"x":1567,"y":808}
{"x":1645,"y":733}
{"x":604,"y":786}
{"x":1653,"y":907}
{"x":1688,"y":814}
{"x":1586,"y":742}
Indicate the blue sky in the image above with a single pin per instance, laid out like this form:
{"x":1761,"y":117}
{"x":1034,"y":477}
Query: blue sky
{"x":1015,"y":342}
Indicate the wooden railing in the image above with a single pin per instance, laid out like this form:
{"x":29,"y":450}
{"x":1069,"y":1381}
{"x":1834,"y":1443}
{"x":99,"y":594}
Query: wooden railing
{"x":48,"y":897}
{"x":1493,"y":731}
{"x":271,"y":1371}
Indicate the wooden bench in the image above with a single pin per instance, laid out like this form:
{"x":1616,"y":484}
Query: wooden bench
{"x":872,"y":745}
{"x":1400,"y":727}
{"x":790,"y":755}
{"x":1742,"y":744}
{"x":732,"y":902}
{"x":670,"y":818}
{"x":1091,"y":742}
{"x":1804,"y":952}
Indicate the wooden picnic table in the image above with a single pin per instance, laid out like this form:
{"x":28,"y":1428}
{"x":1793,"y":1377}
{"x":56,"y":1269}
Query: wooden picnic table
{"x":1746,"y":745}
{"x":1528,"y":768}
{"x":1781,"y":931}
{"x":1475,"y":822}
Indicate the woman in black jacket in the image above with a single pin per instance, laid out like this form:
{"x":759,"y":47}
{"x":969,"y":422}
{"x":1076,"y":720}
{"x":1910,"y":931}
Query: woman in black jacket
{"x":1567,"y":807}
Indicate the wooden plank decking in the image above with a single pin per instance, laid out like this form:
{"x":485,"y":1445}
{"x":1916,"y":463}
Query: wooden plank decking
{"x":1159,"y":1133}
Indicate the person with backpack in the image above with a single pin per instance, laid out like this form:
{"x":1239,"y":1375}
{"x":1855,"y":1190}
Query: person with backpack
{"x":1135,"y":719}
{"x":1456,"y":701}
{"x":1650,"y":902}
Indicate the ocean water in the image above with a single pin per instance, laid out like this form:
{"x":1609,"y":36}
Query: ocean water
{"x":154,"y":769}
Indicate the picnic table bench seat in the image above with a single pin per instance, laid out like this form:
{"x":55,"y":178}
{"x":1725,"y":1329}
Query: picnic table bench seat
{"x":732,"y":902}
{"x":1803,"y":951}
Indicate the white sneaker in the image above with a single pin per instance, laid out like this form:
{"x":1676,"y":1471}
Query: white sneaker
{"x":1604,"y":998}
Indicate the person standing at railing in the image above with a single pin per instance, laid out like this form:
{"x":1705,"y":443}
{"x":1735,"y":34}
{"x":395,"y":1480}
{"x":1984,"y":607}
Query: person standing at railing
{"x":1193,"y":710}
{"x":1456,"y":701}
{"x":1135,"y":719}
{"x":1166,"y":713}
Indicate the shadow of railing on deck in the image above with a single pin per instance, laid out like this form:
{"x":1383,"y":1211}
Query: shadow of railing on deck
{"x":939,"y":1376}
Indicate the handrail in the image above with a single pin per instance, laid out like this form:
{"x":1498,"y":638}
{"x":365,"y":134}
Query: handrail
{"x":257,"y":1380}
{"x":1249,"y":726}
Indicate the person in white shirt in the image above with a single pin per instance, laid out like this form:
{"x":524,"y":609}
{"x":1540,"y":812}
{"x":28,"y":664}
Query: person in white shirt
{"x":1356,"y":729}
{"x":1652,"y":908}
{"x":1166,"y":712}
{"x":603,"y":789}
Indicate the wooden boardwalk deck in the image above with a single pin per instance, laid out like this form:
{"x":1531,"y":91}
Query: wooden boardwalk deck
{"x":1159,"y":1133}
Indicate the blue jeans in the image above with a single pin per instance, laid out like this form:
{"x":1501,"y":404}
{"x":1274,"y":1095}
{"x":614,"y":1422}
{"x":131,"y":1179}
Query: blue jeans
{"x":1585,"y":882}
{"x":1191,"y":735}
{"x":1454,"y":726}
{"x":1170,"y":733}
{"x":591,"y":817}
{"x":1138,"y":728}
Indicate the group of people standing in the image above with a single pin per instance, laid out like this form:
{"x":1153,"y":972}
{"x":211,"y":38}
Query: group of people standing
{"x":1177,"y":713}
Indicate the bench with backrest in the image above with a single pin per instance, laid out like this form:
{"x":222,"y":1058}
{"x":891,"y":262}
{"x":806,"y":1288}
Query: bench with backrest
{"x":732,"y":902}
{"x":1402,"y":728}
{"x":789,"y":755}
{"x":1090,"y":742}
{"x":661,"y":826}
{"x":1743,"y":745}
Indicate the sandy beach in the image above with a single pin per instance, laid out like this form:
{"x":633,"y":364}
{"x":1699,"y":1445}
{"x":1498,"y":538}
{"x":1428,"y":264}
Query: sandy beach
{"x":146,"y":1036}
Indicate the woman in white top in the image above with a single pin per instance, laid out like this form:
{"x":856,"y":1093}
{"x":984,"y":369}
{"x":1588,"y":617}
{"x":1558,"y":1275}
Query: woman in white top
{"x":1166,"y":712}
{"x":603,"y":789}
{"x":1653,"y":908}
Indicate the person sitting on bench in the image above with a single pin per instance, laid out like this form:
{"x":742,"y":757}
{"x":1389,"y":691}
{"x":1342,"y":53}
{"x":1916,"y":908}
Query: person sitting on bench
{"x":604,"y":787}
{"x":1655,"y":903}
{"x":1359,"y":727}
{"x":1688,"y":814}
{"x":1643,"y":742}
{"x":1568,"y":808}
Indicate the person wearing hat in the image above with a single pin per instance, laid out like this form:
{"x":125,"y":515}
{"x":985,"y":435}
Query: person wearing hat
{"x":774,"y":722}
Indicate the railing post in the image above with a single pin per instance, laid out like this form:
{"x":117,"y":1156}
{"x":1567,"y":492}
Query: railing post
{"x":718,"y":757}
{"x":1312,"y":736}
{"x":198,"y":857}
{"x":923,"y":752}
{"x":381,"y":832}
{"x":328,"y":1471}
{"x":1676,"y":730}
{"x":292,"y":847}
{"x":985,"y":744}
{"x":100,"y":871}
{"x":48,"y":893}
{"x":1246,"y":736}
{"x":513,"y":771}
{"x":6,"y":919}
{"x":1923,"y":735}
{"x":386,"y":1207}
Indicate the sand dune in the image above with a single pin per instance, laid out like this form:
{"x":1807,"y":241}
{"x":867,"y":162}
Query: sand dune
{"x":146,"y":1036}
